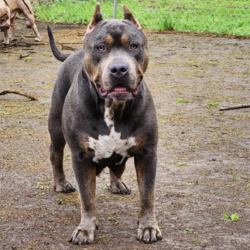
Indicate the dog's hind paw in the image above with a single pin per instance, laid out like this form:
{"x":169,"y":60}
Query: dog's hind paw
{"x":118,"y":186}
{"x":38,"y":39}
{"x":64,"y":187}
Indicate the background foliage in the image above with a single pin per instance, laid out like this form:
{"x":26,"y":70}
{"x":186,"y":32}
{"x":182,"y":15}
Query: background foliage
{"x":215,"y":16}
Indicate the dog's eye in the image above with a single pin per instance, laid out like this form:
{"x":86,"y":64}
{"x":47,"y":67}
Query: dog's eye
{"x":100,"y":48}
{"x":133,"y":46}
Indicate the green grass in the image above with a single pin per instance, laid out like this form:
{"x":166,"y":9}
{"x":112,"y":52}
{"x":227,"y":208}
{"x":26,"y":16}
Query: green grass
{"x":233,"y":217}
{"x":214,"y":16}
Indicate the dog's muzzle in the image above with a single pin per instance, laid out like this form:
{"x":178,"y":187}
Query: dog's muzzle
{"x":121,"y":89}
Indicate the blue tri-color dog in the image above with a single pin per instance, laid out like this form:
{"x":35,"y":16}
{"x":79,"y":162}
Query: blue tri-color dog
{"x":104,"y":111}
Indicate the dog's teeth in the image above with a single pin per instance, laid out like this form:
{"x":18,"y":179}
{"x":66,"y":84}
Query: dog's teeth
{"x":120,"y":89}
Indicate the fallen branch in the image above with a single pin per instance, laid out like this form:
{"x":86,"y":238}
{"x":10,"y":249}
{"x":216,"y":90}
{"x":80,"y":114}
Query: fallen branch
{"x":242,"y":106}
{"x":23,"y":56}
{"x":81,"y":34}
{"x":31,"y":97}
{"x":71,"y":43}
{"x":30,"y":36}
{"x":22,"y":44}
{"x":67,"y":47}
{"x":13,"y":44}
{"x":36,"y":43}
{"x":2,"y":50}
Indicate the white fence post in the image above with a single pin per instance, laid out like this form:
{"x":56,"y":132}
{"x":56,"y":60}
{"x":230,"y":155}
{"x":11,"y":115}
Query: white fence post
{"x":115,"y":8}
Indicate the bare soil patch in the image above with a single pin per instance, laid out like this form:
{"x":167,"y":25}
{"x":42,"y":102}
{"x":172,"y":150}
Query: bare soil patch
{"x":203,"y":164}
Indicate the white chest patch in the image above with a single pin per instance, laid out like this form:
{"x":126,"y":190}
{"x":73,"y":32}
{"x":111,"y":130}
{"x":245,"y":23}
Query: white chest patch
{"x":106,"y":145}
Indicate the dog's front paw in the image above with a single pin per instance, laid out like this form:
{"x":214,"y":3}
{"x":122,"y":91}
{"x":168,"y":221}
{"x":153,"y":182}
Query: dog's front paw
{"x":84,"y":234}
{"x":149,"y":233}
{"x":6,"y":43}
{"x":118,"y":186}
{"x":64,"y":187}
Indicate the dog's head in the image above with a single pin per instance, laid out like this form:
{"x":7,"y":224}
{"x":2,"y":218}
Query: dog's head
{"x":115,"y":55}
{"x":4,"y":18}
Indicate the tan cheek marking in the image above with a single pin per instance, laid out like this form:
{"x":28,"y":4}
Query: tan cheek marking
{"x":91,"y":69}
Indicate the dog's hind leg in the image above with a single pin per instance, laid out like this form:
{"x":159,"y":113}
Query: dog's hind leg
{"x":56,"y":157}
{"x":117,"y":185}
{"x":13,"y":28}
{"x":31,"y":18}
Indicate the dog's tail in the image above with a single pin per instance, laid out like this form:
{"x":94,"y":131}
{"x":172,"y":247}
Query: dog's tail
{"x":56,"y":52}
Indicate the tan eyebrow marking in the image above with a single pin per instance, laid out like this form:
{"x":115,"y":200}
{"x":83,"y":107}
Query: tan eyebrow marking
{"x":109,"y":39}
{"x":125,"y":39}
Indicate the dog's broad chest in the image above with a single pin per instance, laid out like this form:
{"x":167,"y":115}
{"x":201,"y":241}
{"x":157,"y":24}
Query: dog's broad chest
{"x":106,"y":145}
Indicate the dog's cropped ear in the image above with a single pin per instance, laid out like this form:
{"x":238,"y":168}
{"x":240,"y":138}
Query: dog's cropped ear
{"x":129,"y":16}
{"x":97,"y":17}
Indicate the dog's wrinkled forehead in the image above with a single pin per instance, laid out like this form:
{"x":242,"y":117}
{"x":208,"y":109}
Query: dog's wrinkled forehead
{"x":116,"y":32}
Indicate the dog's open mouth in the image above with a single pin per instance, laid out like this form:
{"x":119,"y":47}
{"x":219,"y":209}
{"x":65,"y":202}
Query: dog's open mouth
{"x":119,"y":91}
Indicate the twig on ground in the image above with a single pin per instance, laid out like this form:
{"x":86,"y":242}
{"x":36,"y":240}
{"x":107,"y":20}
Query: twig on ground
{"x":13,"y":44}
{"x":31,"y":97}
{"x":23,"y":56}
{"x":36,"y":43}
{"x":81,"y":34}
{"x":29,"y":36}
{"x":67,"y":47}
{"x":3,"y":50}
{"x":242,"y":106}
{"x":28,"y":49}
{"x":71,"y":43}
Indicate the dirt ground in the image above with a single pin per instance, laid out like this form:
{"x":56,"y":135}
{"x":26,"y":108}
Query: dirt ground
{"x":203,"y":153}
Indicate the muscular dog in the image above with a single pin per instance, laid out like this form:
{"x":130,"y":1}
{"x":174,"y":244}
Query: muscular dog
{"x":8,"y":11}
{"x":104,"y":111}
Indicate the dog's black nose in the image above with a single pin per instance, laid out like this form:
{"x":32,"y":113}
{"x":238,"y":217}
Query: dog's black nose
{"x":118,"y":70}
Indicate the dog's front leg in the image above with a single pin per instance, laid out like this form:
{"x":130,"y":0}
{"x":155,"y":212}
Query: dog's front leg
{"x":6,"y":37}
{"x":145,"y":164}
{"x":13,"y":28}
{"x":85,"y":174}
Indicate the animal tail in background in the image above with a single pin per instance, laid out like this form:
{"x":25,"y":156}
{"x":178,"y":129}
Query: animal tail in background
{"x":56,"y":52}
